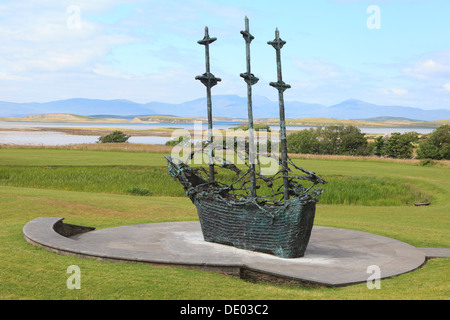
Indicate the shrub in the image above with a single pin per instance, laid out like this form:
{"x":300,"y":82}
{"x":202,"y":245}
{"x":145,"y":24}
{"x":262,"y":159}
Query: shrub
{"x":427,"y":163}
{"x":344,"y":140}
{"x":115,"y":137}
{"x":379,"y":144}
{"x":400,"y":146}
{"x":138,"y":191}
{"x":180,"y":141}
{"x":304,"y":141}
{"x":436,"y":145}
{"x":256,"y":127}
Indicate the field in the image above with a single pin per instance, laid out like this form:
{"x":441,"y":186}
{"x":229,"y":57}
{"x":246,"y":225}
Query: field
{"x":116,"y":187}
{"x":375,"y":122}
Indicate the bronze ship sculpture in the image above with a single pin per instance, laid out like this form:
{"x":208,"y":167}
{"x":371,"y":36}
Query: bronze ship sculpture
{"x":278,"y":223}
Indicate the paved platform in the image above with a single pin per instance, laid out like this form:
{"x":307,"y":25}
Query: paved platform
{"x":334,"y":257}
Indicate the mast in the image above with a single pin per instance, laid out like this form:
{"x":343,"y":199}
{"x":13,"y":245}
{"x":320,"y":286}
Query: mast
{"x":281,"y":87}
{"x":209,"y":80}
{"x":250,"y":79}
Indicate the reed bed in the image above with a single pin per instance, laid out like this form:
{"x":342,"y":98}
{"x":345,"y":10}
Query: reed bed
{"x":444,"y":163}
{"x":155,"y":181}
{"x":119,"y":180}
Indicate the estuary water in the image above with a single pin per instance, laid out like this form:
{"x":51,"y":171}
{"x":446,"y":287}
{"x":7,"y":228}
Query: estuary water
{"x":52,"y":138}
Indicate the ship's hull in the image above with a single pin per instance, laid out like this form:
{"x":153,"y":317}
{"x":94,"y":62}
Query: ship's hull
{"x":283,"y":231}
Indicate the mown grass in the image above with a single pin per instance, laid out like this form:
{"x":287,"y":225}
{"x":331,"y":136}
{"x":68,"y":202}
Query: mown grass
{"x":32,"y":273}
{"x":70,"y":157}
{"x":28,"y":272}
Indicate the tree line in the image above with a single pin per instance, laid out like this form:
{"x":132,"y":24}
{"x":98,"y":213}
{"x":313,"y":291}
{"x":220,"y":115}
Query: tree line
{"x":349,"y":140}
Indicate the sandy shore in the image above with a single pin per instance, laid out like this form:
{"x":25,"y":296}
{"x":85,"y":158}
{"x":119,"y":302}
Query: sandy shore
{"x":156,"y":132}
{"x":161,"y":132}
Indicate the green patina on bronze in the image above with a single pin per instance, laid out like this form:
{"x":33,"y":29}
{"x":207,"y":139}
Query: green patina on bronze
{"x":250,"y":79}
{"x":278,"y":222}
{"x":281,"y":87}
{"x":230,"y":215}
{"x":209,"y":81}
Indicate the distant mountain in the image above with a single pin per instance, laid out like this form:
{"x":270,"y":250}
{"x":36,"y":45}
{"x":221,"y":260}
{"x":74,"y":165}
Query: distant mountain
{"x":75,"y":106}
{"x":230,"y":106}
{"x":357,"y":109}
{"x":11,"y":109}
{"x":391,"y":119}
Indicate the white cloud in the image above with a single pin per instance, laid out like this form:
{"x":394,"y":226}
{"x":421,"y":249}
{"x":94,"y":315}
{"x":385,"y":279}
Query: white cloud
{"x":12,"y":77}
{"x":318,"y":68}
{"x":87,"y":6}
{"x":37,"y":39}
{"x":43,"y":59}
{"x":395,"y":91}
{"x":108,"y":71}
{"x":435,"y":66}
{"x":46,"y":59}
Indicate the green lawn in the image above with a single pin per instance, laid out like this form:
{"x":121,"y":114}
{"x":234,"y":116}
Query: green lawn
{"x":62,"y":157}
{"x":28,"y":272}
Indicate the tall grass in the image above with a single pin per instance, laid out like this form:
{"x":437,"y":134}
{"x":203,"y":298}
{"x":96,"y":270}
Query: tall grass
{"x":372,"y":191}
{"x":148,"y":181}
{"x":119,"y":180}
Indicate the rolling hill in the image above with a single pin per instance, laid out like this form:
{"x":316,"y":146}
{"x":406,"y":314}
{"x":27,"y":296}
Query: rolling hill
{"x":230,"y":106}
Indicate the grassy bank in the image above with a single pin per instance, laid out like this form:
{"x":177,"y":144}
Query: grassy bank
{"x":154,"y":181}
{"x":89,"y":188}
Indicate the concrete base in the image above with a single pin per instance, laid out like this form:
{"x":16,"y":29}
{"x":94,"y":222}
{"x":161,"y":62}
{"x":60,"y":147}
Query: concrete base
{"x":334,"y":257}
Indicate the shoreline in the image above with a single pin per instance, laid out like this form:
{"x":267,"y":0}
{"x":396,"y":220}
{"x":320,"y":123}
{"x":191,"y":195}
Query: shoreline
{"x":294,"y":122}
{"x":160,"y":132}
{"x":152,"y":132}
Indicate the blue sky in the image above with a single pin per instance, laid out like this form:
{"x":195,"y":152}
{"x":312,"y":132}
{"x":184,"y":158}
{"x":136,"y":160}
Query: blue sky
{"x":147,"y":51}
